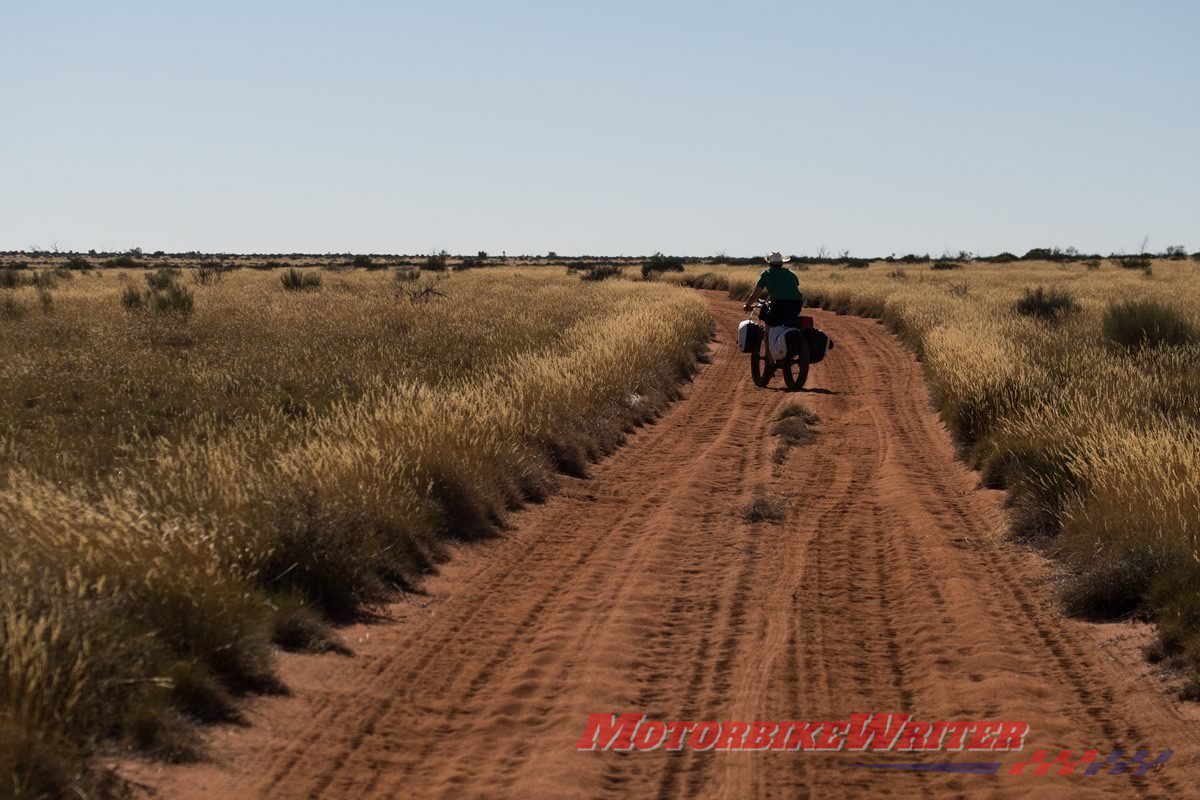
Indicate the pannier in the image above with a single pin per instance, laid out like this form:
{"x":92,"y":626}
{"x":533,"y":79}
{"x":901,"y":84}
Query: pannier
{"x":818,"y":344}
{"x":749,"y":335}
{"x":785,"y":342}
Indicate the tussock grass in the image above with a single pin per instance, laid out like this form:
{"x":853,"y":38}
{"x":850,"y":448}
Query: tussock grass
{"x":795,"y":425}
{"x":178,"y":494}
{"x":1135,"y":324}
{"x":762,"y":508}
{"x":295,"y":280}
{"x":1047,"y":304}
{"x":1092,"y":424}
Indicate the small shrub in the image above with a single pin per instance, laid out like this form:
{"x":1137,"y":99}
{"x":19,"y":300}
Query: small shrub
{"x":11,"y":307}
{"x":601,"y":272}
{"x":405,"y":274}
{"x":10,"y":279}
{"x":208,"y":273}
{"x":161,"y":278}
{"x":437,"y":262}
{"x":173,"y":299}
{"x":43,"y":279}
{"x":468,"y":263}
{"x":1092,"y":263}
{"x":944,"y":265}
{"x":78,"y":263}
{"x":1144,"y":323}
{"x":795,"y":425}
{"x":660,"y":263}
{"x":1047,"y":304}
{"x":1134,"y":262}
{"x":131,"y":298}
{"x":762,"y":508}
{"x":740,"y":289}
{"x":45,"y":299}
{"x":707,"y":280}
{"x":295,"y":280}
{"x":122,"y":262}
{"x":898,"y":275}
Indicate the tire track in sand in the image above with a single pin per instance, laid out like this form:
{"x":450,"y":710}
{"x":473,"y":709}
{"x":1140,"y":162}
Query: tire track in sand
{"x":887,"y":587}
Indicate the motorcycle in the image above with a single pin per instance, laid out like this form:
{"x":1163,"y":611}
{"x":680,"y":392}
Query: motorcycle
{"x":786,"y":349}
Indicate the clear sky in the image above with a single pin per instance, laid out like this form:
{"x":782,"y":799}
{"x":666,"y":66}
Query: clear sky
{"x":608,"y":127}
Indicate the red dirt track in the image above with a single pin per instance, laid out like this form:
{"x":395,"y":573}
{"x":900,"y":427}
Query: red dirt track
{"x":889,"y":587}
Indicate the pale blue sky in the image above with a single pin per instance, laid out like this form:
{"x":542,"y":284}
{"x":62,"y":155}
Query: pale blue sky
{"x":611,"y":127}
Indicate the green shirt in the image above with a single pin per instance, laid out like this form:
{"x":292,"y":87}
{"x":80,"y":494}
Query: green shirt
{"x":781,"y":283}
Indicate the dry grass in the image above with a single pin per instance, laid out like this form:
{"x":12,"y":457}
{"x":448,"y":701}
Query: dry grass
{"x":1092,"y":423}
{"x":795,"y":425}
{"x":179,"y":490}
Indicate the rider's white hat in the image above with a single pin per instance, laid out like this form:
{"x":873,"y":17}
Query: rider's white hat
{"x":777,"y":258}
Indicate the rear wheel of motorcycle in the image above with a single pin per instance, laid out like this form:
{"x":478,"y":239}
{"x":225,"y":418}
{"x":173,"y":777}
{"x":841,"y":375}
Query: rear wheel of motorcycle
{"x":761,"y":368}
{"x":795,"y":369}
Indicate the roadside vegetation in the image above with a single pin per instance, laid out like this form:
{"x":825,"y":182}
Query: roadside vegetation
{"x":192,"y":475}
{"x":1074,"y":382}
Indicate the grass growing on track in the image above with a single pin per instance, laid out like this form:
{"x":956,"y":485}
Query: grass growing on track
{"x":178,"y":490}
{"x":1091,"y":418}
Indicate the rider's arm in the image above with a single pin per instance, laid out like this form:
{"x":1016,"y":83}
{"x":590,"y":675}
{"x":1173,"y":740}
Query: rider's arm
{"x":757,"y":293}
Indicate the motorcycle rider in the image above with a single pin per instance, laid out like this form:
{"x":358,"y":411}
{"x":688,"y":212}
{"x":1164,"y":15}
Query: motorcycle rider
{"x":782,"y":288}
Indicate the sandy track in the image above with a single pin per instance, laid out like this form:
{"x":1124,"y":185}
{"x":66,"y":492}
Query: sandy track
{"x":889,"y":587}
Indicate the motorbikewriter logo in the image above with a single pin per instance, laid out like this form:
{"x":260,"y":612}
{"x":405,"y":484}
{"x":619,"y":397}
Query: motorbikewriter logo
{"x":875,"y":732}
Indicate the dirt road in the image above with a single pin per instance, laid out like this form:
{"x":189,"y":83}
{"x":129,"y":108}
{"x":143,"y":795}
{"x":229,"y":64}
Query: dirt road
{"x":888,"y":587}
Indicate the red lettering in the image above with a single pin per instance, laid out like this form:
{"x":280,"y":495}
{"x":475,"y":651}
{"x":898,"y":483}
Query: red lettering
{"x":958,"y":730}
{"x":874,"y":730}
{"x":759,"y":736}
{"x":831,"y":736}
{"x":650,"y":735}
{"x":796,"y":736}
{"x":1011,"y":736}
{"x":914,"y":735}
{"x":606,"y":731}
{"x":732,"y":734}
{"x":675,"y":733}
{"x":704,"y":735}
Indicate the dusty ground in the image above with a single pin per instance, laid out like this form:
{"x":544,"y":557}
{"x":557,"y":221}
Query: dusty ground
{"x":888,"y":587}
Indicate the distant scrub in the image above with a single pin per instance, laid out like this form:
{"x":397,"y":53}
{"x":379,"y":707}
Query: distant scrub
{"x":945,"y":265}
{"x":660,"y":263}
{"x":437,"y":262}
{"x":601,"y":272}
{"x":122,"y":262}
